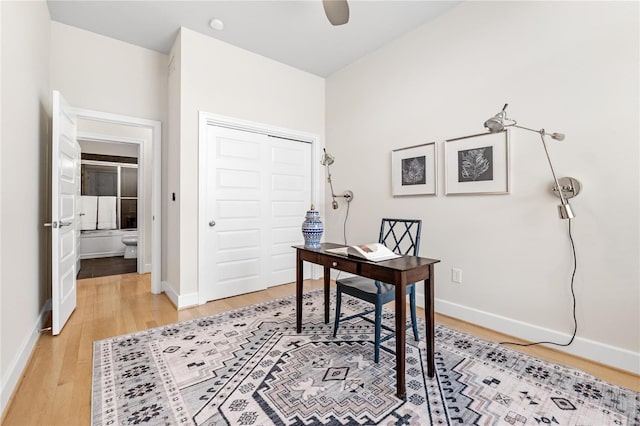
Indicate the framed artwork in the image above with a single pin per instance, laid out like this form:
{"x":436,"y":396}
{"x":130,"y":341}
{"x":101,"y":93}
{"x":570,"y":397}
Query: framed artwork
{"x":477,"y":164}
{"x":413,"y":170}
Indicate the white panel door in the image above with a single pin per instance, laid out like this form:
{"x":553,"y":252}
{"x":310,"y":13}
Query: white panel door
{"x":78,"y":207}
{"x":290,"y":198}
{"x":235,"y":206}
{"x":255,"y":192}
{"x":64,"y":189}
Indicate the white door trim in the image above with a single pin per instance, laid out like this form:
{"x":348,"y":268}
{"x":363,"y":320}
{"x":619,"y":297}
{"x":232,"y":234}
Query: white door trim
{"x":156,"y":205}
{"x":209,"y":119}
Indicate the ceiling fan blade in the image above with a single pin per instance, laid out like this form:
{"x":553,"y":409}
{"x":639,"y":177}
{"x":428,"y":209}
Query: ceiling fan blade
{"x":337,"y":11}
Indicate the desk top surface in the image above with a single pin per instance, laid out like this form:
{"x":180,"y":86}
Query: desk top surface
{"x":400,"y":263}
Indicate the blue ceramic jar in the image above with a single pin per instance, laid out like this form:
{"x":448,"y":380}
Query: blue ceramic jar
{"x":312,"y":229}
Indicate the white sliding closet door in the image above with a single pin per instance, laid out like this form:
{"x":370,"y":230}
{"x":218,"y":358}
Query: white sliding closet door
{"x":290,"y":198}
{"x":256,"y":189}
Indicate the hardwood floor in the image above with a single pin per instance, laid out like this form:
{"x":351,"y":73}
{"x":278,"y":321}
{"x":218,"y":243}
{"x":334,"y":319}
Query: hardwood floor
{"x":56,"y":385}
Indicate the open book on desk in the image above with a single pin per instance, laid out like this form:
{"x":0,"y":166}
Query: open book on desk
{"x":374,"y":252}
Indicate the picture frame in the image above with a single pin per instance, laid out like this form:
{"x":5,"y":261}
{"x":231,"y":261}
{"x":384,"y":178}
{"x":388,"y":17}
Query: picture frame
{"x":414,"y":171}
{"x":477,"y":164}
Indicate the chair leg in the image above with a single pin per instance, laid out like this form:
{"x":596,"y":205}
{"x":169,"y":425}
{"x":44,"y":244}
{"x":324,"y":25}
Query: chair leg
{"x":378,"y":330}
{"x":338,"y":304}
{"x":414,"y":320}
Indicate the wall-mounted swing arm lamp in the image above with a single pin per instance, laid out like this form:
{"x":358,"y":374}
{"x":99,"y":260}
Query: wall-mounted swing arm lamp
{"x":327,"y":160}
{"x":565,"y":187}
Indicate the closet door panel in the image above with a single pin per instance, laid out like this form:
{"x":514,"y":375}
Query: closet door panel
{"x":233,"y":262}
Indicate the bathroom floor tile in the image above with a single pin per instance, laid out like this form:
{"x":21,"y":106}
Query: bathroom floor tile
{"x":100,"y":267}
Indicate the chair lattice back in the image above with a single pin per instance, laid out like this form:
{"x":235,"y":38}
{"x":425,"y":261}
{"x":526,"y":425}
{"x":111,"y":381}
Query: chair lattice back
{"x":402,"y":236}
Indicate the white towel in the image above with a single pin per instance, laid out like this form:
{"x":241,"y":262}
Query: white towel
{"x":88,"y":212}
{"x":107,"y":213}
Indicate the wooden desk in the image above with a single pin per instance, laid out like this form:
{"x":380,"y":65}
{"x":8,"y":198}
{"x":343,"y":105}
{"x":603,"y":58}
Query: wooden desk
{"x":399,"y":272}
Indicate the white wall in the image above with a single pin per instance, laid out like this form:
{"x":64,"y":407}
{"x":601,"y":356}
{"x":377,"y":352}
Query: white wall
{"x":107,"y":148}
{"x":26,"y":99}
{"x":222,"y":79}
{"x":103,"y":74}
{"x":171,"y":179}
{"x":100,"y":73}
{"x":569,"y":66}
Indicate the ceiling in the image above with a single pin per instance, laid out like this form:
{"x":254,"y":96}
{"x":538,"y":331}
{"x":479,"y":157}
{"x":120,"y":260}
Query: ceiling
{"x":294,"y":32}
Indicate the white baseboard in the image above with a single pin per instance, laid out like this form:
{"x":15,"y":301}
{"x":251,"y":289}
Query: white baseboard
{"x":18,"y":364}
{"x":180,"y":301}
{"x":599,"y":352}
{"x":146,"y":268}
{"x":171,"y":294}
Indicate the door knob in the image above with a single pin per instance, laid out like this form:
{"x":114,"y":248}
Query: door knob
{"x":56,"y":224}
{"x":212,"y":223}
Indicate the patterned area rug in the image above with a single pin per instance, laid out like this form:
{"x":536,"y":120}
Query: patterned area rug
{"x":250,"y":367}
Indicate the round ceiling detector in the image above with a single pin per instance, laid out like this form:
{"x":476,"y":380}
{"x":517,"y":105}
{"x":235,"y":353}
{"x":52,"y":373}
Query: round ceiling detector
{"x":216,"y":24}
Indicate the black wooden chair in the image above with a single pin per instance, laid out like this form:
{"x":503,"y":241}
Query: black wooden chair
{"x":402,"y":236}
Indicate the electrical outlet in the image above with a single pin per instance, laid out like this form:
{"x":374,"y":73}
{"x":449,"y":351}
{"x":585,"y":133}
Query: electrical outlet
{"x":456,"y":275}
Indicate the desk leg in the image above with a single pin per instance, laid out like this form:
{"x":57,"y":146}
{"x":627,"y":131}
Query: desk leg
{"x":327,"y":292}
{"x":401,"y":335}
{"x":299,"y":274}
{"x":431,"y":324}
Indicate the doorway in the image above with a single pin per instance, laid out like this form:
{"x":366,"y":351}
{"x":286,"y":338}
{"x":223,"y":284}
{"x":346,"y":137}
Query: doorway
{"x":119,"y":129}
{"x":113,"y":173}
{"x":114,"y":202}
{"x":65,"y":194}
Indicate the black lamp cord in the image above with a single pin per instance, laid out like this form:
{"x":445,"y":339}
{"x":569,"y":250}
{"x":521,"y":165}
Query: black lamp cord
{"x":344,"y":225}
{"x":573,"y":295}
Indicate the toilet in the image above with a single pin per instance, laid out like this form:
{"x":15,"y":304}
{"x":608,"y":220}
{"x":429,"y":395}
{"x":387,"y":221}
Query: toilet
{"x":130,"y":246}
